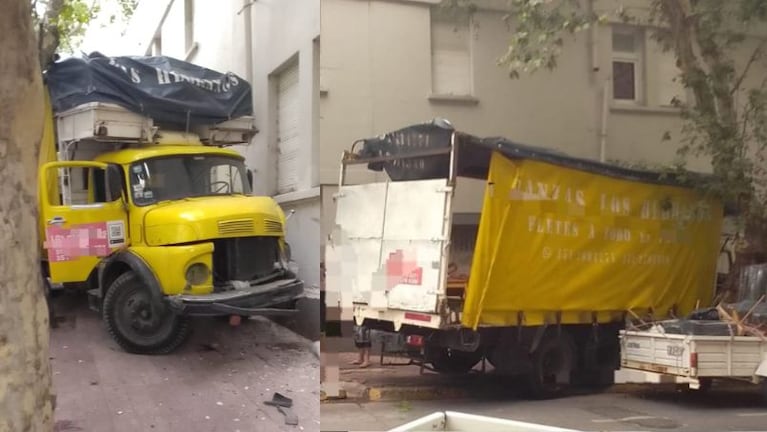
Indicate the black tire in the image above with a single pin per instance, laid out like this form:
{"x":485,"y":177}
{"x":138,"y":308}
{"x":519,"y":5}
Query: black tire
{"x":128,"y":315}
{"x":447,"y":361}
{"x":554,"y":355}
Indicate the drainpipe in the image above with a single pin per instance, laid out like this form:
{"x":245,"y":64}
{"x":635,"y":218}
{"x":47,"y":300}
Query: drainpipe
{"x":603,"y":130}
{"x":248,"y":20}
{"x":595,"y":69}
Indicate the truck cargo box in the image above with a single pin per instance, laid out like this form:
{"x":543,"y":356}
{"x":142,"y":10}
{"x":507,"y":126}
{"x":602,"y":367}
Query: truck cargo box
{"x":560,"y":240}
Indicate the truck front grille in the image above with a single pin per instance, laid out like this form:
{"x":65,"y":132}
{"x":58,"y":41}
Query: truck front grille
{"x":244,"y":258}
{"x":272,"y":226}
{"x":236,"y":227}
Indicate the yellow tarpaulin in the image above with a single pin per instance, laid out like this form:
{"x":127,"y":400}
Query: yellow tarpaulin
{"x":561,"y":245}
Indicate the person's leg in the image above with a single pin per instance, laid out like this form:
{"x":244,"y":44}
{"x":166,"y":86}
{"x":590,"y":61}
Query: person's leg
{"x":360,"y":356}
{"x":365,"y":356}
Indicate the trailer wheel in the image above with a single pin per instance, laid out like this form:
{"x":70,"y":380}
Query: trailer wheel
{"x":127,"y":312}
{"x":447,"y":361}
{"x":553,"y":358}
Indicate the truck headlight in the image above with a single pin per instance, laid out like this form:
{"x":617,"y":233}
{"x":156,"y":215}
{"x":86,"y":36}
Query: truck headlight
{"x":197,"y":274}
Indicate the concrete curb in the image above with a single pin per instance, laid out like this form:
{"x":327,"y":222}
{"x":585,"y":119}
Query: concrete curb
{"x":382,"y":394}
{"x":394,"y":394}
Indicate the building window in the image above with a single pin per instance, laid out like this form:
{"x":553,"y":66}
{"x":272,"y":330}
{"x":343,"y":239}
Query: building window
{"x":188,"y":24}
{"x":451,"y":55}
{"x":627,"y":64}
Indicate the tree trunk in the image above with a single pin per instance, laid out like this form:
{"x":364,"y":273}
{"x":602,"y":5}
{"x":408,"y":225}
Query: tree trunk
{"x":25,"y":378}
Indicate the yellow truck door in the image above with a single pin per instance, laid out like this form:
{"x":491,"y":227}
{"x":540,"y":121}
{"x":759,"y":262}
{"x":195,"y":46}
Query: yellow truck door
{"x":92,"y":225}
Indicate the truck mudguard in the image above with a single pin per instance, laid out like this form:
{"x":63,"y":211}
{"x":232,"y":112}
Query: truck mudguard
{"x":112,"y":265}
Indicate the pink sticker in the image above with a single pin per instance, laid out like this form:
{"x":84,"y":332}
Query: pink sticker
{"x":68,"y":244}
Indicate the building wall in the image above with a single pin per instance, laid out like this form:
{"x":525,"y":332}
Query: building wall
{"x":377,"y":77}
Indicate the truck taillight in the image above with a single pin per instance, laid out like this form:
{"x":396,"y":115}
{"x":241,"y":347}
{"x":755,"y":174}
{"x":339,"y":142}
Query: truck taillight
{"x":694,"y":360}
{"x":414,"y":340}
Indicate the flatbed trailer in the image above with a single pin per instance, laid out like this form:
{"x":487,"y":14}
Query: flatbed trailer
{"x":696,"y":360}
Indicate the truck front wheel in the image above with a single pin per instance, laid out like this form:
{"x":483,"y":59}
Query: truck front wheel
{"x":135,"y":325}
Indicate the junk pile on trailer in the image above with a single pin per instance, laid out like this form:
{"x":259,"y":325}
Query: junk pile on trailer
{"x":143,"y":205}
{"x":486,"y":249}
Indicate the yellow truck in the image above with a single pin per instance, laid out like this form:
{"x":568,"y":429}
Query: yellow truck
{"x":478,"y":249}
{"x":158,"y":224}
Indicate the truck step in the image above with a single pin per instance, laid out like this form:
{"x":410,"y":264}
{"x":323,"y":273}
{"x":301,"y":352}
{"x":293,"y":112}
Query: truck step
{"x":94,"y":300}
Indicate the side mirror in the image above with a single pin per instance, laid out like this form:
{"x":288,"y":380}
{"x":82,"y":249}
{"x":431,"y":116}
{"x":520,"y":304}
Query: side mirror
{"x":249,"y":174}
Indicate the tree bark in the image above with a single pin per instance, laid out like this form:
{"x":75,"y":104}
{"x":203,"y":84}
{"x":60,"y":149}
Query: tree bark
{"x":25,"y":378}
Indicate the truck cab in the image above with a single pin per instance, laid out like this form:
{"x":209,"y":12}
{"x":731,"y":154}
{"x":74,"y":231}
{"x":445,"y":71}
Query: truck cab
{"x":158,"y":226}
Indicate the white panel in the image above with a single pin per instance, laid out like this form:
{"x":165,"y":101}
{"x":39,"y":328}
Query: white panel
{"x":412,"y":269}
{"x":387,"y":246}
{"x":360,"y":210}
{"x":415,"y":210}
{"x":414,"y":243}
{"x":288,"y":139}
{"x":353,"y":254}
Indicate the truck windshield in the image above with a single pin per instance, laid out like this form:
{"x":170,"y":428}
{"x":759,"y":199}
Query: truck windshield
{"x":177,"y":177}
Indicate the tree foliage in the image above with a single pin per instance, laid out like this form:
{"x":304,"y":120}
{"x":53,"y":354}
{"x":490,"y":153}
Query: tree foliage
{"x":61,"y":24}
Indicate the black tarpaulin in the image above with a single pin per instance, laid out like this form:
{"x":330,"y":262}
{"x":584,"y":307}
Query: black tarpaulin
{"x":473,"y":156}
{"x":165,"y":89}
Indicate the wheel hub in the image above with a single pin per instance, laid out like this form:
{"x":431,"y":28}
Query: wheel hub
{"x":140,"y":312}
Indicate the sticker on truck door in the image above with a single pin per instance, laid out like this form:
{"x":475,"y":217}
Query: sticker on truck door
{"x":89,"y":239}
{"x":116,"y":233}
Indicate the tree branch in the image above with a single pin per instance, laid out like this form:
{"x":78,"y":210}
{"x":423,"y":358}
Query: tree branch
{"x":50,"y":37}
{"x":754,"y":56}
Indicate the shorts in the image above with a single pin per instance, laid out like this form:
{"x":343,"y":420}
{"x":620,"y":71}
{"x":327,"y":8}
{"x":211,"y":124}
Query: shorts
{"x":361,"y":337}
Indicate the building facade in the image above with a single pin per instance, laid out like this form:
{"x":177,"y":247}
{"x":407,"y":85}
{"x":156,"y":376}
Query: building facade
{"x":390,"y":63}
{"x":273,"y":44}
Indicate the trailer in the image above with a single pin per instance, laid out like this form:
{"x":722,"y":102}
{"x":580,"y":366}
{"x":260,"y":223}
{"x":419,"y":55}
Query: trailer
{"x":696,"y":360}
{"x":472,"y":249}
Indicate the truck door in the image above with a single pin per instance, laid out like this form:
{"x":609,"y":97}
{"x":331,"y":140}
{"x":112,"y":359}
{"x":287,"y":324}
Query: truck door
{"x":84,"y":217}
{"x":389,"y":245}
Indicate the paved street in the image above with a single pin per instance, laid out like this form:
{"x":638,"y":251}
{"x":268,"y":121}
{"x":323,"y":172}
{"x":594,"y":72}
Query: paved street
{"x":648,"y":407}
{"x":216,"y":382}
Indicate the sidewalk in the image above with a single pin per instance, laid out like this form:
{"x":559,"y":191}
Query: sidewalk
{"x":216,"y":382}
{"x":393,"y":383}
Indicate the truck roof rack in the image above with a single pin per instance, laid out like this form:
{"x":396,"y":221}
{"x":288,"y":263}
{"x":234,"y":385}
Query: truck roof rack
{"x":105,"y":122}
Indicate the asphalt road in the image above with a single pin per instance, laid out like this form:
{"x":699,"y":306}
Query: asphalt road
{"x":217,"y":381}
{"x":661,"y":410}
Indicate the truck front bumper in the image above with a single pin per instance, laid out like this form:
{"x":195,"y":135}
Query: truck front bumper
{"x":267,"y":299}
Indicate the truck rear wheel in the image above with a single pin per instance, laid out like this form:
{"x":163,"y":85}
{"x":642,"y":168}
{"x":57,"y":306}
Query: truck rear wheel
{"x":445,"y":360}
{"x":130,"y":320}
{"x":551,"y":361}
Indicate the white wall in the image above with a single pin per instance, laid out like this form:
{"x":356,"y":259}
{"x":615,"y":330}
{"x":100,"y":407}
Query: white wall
{"x":284,"y":30}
